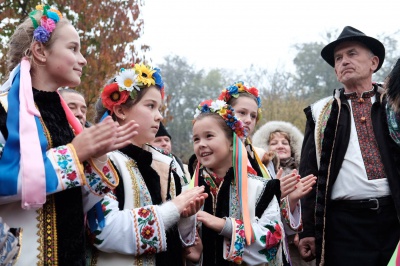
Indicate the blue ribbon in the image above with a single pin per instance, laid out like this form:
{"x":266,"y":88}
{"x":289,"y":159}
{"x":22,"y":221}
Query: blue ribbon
{"x":10,"y":160}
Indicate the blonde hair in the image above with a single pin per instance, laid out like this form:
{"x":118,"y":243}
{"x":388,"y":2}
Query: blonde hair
{"x":22,"y":40}
{"x":277,"y":133}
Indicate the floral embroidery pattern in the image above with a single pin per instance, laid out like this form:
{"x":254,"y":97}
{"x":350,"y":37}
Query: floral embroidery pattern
{"x":284,"y":206}
{"x":95,"y":181}
{"x":239,"y":243}
{"x":147,"y":228}
{"x":272,"y":241}
{"x":65,"y":162}
{"x":366,"y":137}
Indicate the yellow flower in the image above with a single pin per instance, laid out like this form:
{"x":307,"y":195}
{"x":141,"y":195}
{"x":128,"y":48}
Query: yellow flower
{"x":145,"y":75}
{"x":222,"y":111}
{"x":39,"y":7}
{"x":240,"y":86}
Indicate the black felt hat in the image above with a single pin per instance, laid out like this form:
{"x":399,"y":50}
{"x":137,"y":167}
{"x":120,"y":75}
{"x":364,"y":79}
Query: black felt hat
{"x":162,"y":131}
{"x":351,"y":34}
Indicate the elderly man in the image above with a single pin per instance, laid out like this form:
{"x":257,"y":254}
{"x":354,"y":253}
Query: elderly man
{"x":351,"y":216}
{"x":76,"y":102}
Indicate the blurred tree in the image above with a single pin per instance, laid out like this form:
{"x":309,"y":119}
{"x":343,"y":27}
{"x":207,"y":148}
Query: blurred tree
{"x":108,"y":30}
{"x":187,"y":87}
{"x":314,"y":78}
{"x":392,"y":54}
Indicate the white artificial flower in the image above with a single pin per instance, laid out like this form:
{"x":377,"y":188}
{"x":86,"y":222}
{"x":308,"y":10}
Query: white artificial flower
{"x":217,"y":105}
{"x":127,"y":79}
{"x":196,"y":114}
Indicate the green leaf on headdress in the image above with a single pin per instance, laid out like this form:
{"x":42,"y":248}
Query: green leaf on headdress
{"x":133,"y":94}
{"x":45,"y":8}
{"x":34,"y":22}
{"x":235,"y":95}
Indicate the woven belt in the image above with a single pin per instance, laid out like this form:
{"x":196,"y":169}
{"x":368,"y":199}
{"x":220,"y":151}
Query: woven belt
{"x":372,"y":204}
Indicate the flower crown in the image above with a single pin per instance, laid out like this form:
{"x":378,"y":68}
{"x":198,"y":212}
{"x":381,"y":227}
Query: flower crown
{"x":226,"y":112}
{"x":47,"y":22}
{"x":234,"y":91}
{"x":128,"y":82}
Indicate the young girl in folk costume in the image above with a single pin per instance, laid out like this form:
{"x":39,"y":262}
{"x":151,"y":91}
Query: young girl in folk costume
{"x":136,"y":224}
{"x":247,"y":105}
{"x":285,"y":140}
{"x":43,"y":149}
{"x":241,"y":218}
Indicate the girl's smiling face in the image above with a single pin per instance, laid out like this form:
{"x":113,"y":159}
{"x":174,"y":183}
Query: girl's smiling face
{"x":212,"y":147}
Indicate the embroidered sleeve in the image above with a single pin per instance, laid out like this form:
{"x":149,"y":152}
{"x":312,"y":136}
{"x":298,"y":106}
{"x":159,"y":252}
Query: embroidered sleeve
{"x":98,"y":182}
{"x":267,"y":247}
{"x":138,"y":231}
{"x":68,"y":169}
{"x":291,"y":221}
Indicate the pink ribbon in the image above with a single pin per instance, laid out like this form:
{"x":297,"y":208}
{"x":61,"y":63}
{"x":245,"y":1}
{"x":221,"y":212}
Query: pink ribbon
{"x":72,"y":120}
{"x":32,"y":167}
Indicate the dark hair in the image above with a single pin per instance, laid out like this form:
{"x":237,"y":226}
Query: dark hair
{"x":220,"y":121}
{"x":392,"y":87}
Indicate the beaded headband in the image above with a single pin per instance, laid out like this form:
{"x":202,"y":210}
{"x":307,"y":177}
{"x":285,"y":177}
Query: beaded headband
{"x":234,"y":91}
{"x":130,"y":81}
{"x":47,"y":23}
{"x":226,"y":112}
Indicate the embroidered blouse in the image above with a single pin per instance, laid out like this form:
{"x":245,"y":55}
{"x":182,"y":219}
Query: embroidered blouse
{"x":136,"y":229}
{"x":265,"y":217}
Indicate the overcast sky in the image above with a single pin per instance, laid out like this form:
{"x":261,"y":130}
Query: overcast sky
{"x":237,"y":33}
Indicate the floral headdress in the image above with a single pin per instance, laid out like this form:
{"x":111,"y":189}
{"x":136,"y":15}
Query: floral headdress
{"x":128,"y":82}
{"x":47,"y":23}
{"x":235,"y":89}
{"x":226,"y":112}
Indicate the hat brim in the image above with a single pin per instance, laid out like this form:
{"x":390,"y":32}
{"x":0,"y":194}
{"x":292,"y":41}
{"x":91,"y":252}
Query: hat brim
{"x":374,"y":45}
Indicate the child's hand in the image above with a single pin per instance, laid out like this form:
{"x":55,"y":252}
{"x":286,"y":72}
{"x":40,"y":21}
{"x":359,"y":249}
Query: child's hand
{"x":190,"y":201}
{"x":288,"y":182}
{"x":193,"y":253}
{"x":211,"y":221}
{"x":104,"y":137}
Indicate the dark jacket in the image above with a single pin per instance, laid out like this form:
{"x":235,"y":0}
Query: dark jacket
{"x":313,"y":205}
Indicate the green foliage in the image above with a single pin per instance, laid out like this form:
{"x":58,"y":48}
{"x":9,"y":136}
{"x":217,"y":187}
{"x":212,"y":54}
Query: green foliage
{"x":187,"y":87}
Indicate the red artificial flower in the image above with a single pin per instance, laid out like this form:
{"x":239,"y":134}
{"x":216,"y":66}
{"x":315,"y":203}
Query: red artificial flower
{"x":143,"y":212}
{"x":253,"y":91}
{"x":224,"y":96}
{"x":208,"y":102}
{"x":112,"y":96}
{"x":147,"y":232}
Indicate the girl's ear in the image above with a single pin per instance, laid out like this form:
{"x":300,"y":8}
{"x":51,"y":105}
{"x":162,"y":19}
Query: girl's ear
{"x":38,"y":52}
{"x":119,"y":112}
{"x":231,"y":147}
